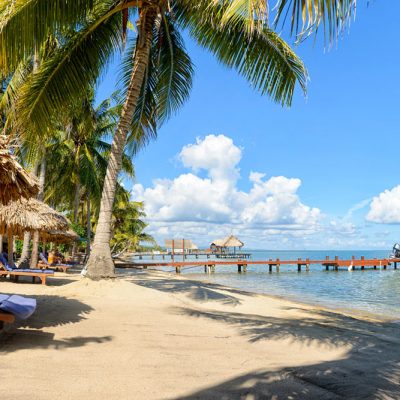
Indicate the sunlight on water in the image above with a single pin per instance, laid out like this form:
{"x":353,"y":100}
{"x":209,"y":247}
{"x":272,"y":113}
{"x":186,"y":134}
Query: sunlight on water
{"x":369,"y":291}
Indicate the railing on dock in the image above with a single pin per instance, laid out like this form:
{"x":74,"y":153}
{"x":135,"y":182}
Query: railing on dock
{"x":242,"y":264}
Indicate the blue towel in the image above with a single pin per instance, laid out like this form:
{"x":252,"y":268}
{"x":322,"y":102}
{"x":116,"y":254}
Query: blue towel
{"x":4,"y":297}
{"x":5,"y":262}
{"x":21,"y":307}
{"x":43,"y":258}
{"x":46,"y":271}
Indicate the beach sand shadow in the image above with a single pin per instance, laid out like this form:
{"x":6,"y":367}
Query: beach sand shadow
{"x":195,"y":290}
{"x":51,"y":311}
{"x":370,"y":369}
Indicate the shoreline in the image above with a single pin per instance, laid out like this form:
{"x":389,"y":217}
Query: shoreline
{"x":169,"y":337}
{"x":350,"y":312}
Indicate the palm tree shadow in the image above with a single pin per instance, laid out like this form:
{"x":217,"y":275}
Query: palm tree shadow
{"x":21,"y":339}
{"x":51,"y":311}
{"x":195,"y":290}
{"x":370,"y":369}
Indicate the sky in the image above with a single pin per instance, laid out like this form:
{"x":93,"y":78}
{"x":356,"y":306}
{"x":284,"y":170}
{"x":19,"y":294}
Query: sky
{"x":322,"y":174}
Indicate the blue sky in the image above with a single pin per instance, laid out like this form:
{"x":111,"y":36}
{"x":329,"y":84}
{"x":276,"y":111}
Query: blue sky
{"x":341,"y":142}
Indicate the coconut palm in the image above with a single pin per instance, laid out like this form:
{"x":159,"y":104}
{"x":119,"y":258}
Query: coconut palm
{"x":235,"y":31}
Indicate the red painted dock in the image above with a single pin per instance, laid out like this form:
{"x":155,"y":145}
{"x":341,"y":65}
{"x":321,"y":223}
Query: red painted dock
{"x":210,"y":265}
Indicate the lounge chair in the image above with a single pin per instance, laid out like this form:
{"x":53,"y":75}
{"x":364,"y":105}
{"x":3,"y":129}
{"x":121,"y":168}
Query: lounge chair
{"x":14,"y":306}
{"x":56,"y":266}
{"x":6,"y":269}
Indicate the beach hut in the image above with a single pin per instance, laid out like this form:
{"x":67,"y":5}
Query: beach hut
{"x":180,"y":246}
{"x":60,"y":236}
{"x":223,"y":245}
{"x":15,"y":182}
{"x":23,"y":215}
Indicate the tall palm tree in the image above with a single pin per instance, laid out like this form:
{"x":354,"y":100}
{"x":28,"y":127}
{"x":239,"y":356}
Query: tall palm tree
{"x":235,"y":31}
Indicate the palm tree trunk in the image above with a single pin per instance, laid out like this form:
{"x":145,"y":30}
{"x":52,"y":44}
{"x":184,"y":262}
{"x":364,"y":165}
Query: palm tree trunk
{"x":1,"y":243}
{"x":100,"y":264}
{"x":88,"y":224}
{"x":10,"y":247}
{"x":24,"y":261}
{"x":35,"y":244}
{"x":76,"y":212}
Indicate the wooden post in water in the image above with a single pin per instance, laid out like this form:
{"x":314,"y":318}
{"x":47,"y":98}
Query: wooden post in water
{"x":336,"y":266}
{"x":270,"y":266}
{"x":353,"y":267}
{"x":298,"y":265}
{"x":308,"y":264}
{"x":362,"y":266}
{"x":278,"y":264}
{"x":327,"y":266}
{"x":239,"y":268}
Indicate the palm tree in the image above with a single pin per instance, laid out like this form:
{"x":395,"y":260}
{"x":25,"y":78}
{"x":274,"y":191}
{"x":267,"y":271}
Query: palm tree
{"x":128,"y":225}
{"x":235,"y":31}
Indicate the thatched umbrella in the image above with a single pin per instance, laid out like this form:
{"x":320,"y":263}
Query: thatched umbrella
{"x":15,"y":182}
{"x":60,"y":236}
{"x":232,"y":241}
{"x":23,"y":215}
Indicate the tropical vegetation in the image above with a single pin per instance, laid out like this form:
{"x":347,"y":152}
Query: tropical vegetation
{"x":157,"y":70}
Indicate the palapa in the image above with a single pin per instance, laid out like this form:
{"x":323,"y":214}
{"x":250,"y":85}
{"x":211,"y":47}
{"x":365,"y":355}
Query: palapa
{"x":60,"y":236}
{"x":229,"y":241}
{"x":15,"y":182}
{"x":30,"y":215}
{"x":233,"y":241}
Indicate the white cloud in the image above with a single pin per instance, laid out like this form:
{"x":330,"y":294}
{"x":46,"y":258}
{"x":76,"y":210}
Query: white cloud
{"x":385,"y":208}
{"x":191,"y":205}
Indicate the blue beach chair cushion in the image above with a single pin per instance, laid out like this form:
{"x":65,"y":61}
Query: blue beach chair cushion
{"x":21,"y":307}
{"x":10,"y":269}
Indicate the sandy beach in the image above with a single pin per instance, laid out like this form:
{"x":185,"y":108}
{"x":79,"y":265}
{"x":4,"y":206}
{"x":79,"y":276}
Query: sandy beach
{"x":152,"y":335}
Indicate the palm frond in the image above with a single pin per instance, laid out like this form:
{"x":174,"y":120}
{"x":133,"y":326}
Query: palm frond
{"x":263,"y":58}
{"x":306,"y":16}
{"x":25,"y":25}
{"x":61,"y":79}
{"x":166,"y":86}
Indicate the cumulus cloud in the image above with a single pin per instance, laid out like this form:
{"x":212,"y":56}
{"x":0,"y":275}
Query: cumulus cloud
{"x":385,"y":208}
{"x":214,"y":205}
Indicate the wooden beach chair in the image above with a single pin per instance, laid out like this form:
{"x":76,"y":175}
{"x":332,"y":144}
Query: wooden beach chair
{"x":15,"y":273}
{"x":56,"y":266}
{"x":13,"y":306}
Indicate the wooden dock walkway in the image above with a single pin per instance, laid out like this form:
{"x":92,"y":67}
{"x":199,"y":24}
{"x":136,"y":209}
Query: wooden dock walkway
{"x":187,"y":256}
{"x":329,"y":264}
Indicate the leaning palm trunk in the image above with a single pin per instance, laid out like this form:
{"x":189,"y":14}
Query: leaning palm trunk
{"x":100,"y":264}
{"x":35,"y":242}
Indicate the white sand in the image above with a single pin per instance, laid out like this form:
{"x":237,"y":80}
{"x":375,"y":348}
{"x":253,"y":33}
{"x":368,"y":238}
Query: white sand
{"x":158,"y":336}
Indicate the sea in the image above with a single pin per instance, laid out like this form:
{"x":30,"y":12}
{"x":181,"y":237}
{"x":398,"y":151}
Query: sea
{"x":370,"y":291}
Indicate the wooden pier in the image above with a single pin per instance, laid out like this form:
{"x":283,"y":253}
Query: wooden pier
{"x":242,"y":264}
{"x":195,"y":255}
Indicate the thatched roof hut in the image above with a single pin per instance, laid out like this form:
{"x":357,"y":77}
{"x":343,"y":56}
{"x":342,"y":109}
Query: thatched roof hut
{"x":30,"y":215}
{"x":233,"y":241}
{"x":15,"y":182}
{"x":60,"y":236}
{"x":229,"y":241}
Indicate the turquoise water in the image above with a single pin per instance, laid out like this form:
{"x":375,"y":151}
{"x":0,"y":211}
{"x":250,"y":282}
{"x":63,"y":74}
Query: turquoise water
{"x":371,"y":291}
